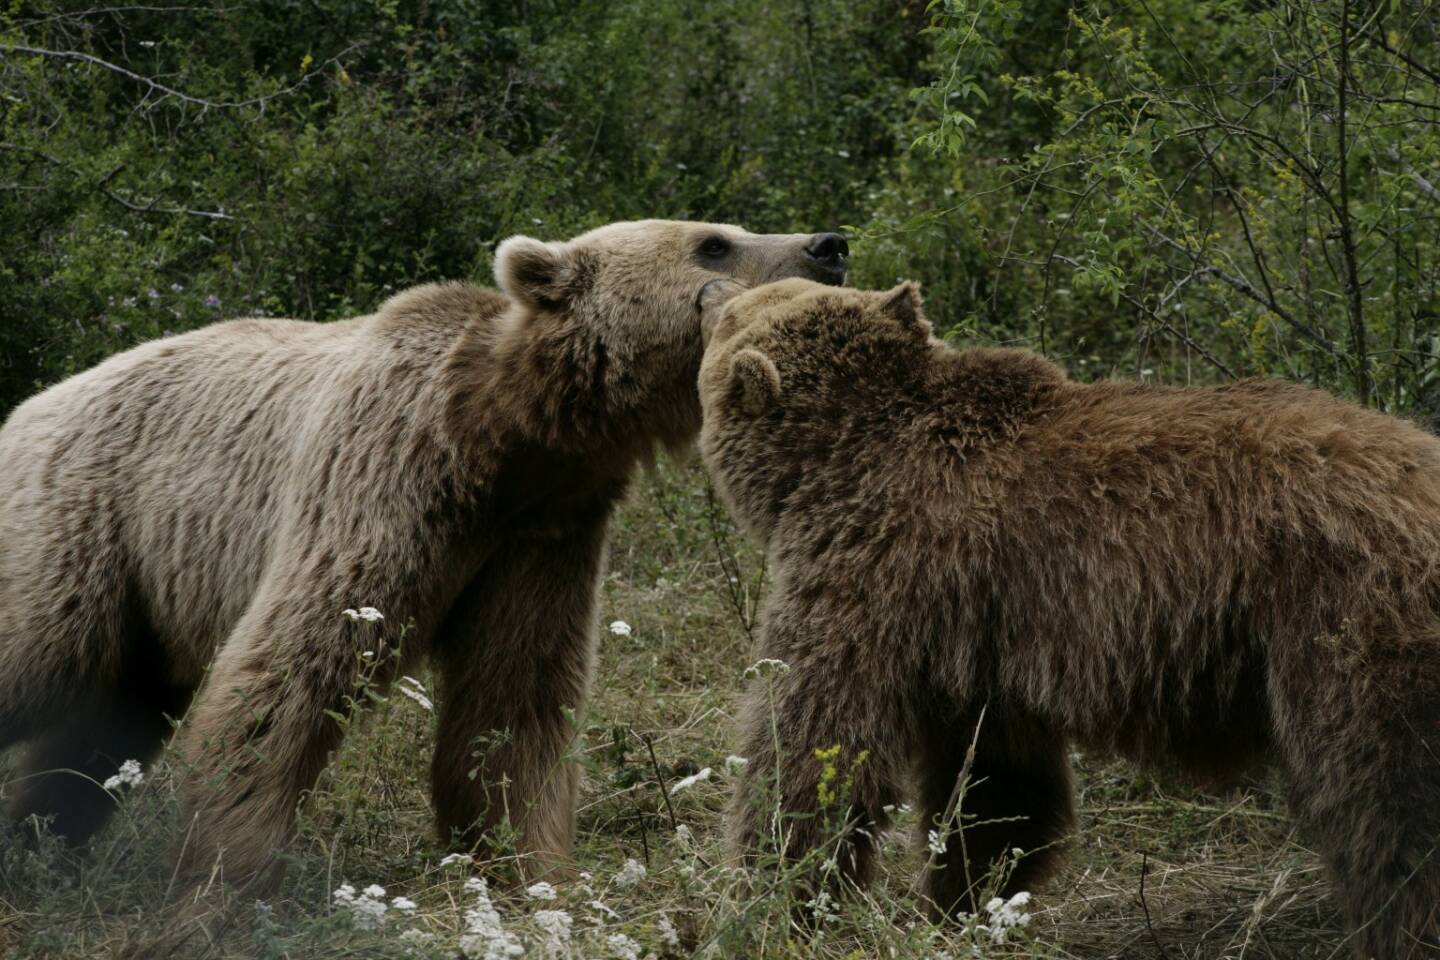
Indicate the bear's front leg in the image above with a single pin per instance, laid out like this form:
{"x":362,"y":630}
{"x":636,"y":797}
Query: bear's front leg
{"x":1015,"y":795}
{"x":266,"y":722}
{"x":516,"y":658}
{"x":825,"y":743}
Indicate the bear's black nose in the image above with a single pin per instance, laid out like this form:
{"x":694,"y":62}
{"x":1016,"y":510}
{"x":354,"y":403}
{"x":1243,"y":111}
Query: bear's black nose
{"x":830,"y":247}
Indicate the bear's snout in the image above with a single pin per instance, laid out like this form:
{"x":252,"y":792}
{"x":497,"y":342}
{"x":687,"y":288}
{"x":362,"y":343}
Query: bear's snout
{"x":828,"y":254}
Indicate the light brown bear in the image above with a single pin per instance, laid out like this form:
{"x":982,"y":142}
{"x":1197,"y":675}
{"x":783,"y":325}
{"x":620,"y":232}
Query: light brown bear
{"x":191,"y":517}
{"x":971,"y":548}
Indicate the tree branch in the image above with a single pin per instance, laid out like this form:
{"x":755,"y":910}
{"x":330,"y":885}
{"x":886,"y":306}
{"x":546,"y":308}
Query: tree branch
{"x":1420,"y":68}
{"x":156,"y":86}
{"x":1244,"y":286}
{"x":150,"y":206}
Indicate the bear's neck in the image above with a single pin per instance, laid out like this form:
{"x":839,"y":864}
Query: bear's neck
{"x":513,"y":384}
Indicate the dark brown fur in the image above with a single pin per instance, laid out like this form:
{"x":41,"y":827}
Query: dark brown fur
{"x":1197,"y":577}
{"x":189,"y":519}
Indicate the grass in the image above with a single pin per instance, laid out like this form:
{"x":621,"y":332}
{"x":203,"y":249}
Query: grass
{"x":1154,"y":870}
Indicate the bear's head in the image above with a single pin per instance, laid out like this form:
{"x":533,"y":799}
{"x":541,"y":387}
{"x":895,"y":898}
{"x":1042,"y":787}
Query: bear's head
{"x":788,"y":366}
{"x":621,"y":307}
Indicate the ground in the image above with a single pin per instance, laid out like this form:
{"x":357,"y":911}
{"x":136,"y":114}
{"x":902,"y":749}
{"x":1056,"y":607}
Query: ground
{"x":1156,"y":869}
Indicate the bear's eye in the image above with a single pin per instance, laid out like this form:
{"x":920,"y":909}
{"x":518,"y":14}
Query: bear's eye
{"x":714,"y":247}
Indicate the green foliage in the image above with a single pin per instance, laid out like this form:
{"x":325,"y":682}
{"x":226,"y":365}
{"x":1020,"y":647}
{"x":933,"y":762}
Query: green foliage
{"x":163,"y":167}
{"x":1185,"y":190}
{"x":1129,"y":187}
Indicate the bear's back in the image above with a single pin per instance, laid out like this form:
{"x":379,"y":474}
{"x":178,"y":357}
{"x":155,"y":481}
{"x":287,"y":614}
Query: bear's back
{"x":193,"y":454}
{"x":1257,"y":433}
{"x":189,"y":386}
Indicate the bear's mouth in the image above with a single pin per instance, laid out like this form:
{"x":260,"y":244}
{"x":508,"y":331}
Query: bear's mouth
{"x":832,"y":275}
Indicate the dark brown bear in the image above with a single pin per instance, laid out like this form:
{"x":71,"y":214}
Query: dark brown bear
{"x":965,"y":540}
{"x":189,"y":519}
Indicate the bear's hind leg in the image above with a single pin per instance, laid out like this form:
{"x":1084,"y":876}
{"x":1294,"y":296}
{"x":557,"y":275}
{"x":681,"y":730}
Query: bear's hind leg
{"x":1362,"y":756}
{"x":1017,"y":794}
{"x":1382,"y":844}
{"x":43,"y":681}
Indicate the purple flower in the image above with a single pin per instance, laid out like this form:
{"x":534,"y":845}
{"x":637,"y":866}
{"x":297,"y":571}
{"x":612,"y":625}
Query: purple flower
{"x":153,"y":294}
{"x":212,"y":301}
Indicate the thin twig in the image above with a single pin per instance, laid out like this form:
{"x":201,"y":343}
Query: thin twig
{"x":660,"y":781}
{"x":665,"y":795}
{"x":1144,"y":869}
{"x":158,"y":87}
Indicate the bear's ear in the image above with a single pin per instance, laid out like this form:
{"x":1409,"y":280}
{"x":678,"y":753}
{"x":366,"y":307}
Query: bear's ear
{"x":755,"y":381}
{"x":537,"y":274}
{"x":903,"y":304}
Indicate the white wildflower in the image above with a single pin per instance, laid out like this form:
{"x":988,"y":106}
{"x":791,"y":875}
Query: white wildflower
{"x":415,"y":690}
{"x":734,"y":764}
{"x":599,"y":907}
{"x":583,"y":886}
{"x":485,"y":938}
{"x":669,"y":936}
{"x":630,"y":874}
{"x":1005,"y":915}
{"x":129,"y":775}
{"x":622,"y":947}
{"x":464,"y":859}
{"x":690,"y":781}
{"x":766,"y":668}
{"x":823,"y":906}
{"x":403,"y":904}
{"x":555,"y":925}
{"x":540,"y":891}
{"x":368,"y":614}
{"x":367,"y":908}
{"x":621,"y":629}
{"x":684,"y":837}
{"x":935,"y":843}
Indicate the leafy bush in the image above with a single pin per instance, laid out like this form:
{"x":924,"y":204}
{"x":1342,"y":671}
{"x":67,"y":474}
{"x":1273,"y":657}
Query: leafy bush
{"x":161,"y":168}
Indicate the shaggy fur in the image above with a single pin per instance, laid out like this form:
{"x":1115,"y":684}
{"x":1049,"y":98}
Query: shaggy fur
{"x":970,"y":548}
{"x":188,"y":520}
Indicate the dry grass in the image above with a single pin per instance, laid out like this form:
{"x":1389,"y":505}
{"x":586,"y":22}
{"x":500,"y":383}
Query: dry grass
{"x":1154,"y":871}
